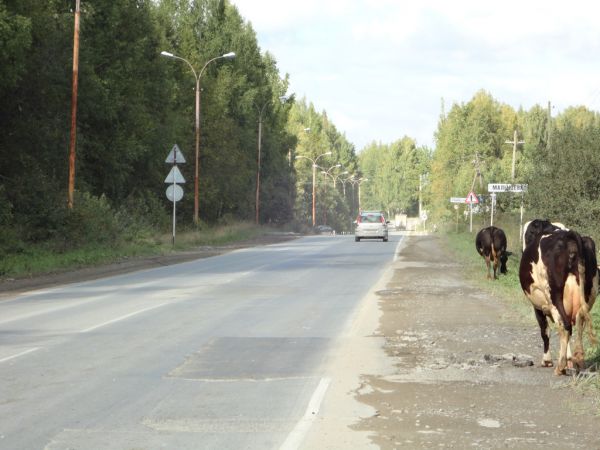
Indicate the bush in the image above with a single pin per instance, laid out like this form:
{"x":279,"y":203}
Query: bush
{"x":140,"y":216}
{"x":10,"y":241}
{"x":91,"y":221}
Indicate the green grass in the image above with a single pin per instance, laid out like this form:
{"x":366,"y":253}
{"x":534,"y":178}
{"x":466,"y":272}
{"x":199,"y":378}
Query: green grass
{"x":41,"y":259}
{"x":506,"y":287}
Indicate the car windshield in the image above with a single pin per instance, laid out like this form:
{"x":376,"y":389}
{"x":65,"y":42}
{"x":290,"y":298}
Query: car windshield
{"x":371,"y":218}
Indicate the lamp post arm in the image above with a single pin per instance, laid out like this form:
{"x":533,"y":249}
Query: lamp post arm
{"x":207,"y":63}
{"x":170,"y":55}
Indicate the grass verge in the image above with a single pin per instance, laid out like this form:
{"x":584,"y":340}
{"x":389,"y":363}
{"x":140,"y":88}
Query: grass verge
{"x":38,"y":260}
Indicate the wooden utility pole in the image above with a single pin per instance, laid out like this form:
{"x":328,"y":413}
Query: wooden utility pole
{"x":74,"y":108}
{"x":476,"y":163}
{"x":514,"y":142}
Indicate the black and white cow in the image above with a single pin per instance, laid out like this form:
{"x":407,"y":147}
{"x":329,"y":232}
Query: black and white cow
{"x":490,"y":243}
{"x":559,"y":275}
{"x":537,"y":226}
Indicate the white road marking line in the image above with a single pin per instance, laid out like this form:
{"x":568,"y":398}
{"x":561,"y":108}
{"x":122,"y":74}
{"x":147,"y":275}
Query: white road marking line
{"x":118,"y":319}
{"x":296,"y":436}
{"x":8,"y":358}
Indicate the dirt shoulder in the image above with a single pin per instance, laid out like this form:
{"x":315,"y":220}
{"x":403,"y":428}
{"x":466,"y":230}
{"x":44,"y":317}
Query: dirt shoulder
{"x":133,"y":264}
{"x":454,"y":368}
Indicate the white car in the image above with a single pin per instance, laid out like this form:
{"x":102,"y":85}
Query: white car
{"x":371,"y":225}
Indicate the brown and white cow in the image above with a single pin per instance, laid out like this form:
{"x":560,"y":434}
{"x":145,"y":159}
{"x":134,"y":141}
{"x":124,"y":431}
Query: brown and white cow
{"x":559,"y":275}
{"x":490,"y":243}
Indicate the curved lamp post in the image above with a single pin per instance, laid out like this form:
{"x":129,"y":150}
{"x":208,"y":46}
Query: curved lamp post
{"x":261,"y":110}
{"x":333,"y":177}
{"x":358,"y":181}
{"x":346,"y":180}
{"x":197,"y":76}
{"x":314,"y":179}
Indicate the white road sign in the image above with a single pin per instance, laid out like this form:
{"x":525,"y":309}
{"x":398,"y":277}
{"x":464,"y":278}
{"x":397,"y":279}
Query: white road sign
{"x":174,"y":192}
{"x":175,"y":156}
{"x":175,"y":176}
{"x":500,"y":187}
{"x":458,"y":199}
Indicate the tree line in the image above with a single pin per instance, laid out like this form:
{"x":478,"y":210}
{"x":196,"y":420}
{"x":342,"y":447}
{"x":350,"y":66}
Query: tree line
{"x":133,"y":106}
{"x":558,"y":157}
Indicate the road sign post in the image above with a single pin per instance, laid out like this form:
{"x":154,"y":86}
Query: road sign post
{"x":493,"y":197}
{"x":512,"y":188}
{"x":471,"y":199}
{"x":174,"y":191}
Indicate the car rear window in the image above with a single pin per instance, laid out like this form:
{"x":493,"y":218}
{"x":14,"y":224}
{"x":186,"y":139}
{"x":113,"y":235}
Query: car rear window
{"x":371,"y":218}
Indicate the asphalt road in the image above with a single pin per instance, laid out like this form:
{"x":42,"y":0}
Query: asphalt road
{"x":220,"y":353}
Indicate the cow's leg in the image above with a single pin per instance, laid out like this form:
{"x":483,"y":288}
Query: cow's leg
{"x":495,"y":267}
{"x":487,"y":264}
{"x":582,"y":320}
{"x":578,"y":355}
{"x":564,"y":333}
{"x":545,"y":333}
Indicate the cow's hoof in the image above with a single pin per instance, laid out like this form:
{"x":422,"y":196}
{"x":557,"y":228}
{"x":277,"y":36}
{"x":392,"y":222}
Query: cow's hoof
{"x":558,"y":371}
{"x":547,"y":364}
{"x":571,"y":371}
{"x":578,"y":364}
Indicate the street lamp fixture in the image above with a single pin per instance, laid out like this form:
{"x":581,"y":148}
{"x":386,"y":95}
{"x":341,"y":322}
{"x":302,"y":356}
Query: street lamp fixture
{"x":314,"y":179}
{"x":197,"y":76}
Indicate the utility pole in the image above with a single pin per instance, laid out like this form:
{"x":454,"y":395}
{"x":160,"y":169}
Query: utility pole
{"x":514,"y":142}
{"x":549,"y":126}
{"x":476,"y":163}
{"x":73,"y":108}
{"x":420,"y":189}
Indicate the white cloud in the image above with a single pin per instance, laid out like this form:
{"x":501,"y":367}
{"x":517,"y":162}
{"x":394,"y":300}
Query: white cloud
{"x":381,"y":67}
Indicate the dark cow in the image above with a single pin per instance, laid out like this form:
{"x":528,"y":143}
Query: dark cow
{"x":490,"y":243}
{"x":536,"y":226}
{"x":559,"y":275}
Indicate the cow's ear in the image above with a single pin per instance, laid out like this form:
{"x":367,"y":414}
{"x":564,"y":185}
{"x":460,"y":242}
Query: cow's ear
{"x":508,"y":253}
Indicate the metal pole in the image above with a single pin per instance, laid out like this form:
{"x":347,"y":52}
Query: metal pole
{"x":521,"y":220}
{"x":197,"y":169}
{"x":258,"y":167}
{"x":174,"y":211}
{"x":493,"y":196}
{"x":359,"y":183}
{"x":313,"y":192}
{"x":420,"y":196}
{"x":72,"y":140}
{"x":471,"y":217}
{"x":456,"y":207}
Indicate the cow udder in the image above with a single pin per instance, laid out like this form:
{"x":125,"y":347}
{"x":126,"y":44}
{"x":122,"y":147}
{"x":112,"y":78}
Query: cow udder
{"x":572,"y":298}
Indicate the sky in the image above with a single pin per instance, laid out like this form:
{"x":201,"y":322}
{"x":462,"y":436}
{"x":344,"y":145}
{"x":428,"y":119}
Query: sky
{"x":382,"y":69}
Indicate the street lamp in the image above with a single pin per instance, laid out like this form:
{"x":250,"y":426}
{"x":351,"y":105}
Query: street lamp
{"x":314,"y":179}
{"x":346,"y":180}
{"x":358,"y":181}
{"x":197,"y":76}
{"x":333,"y":177}
{"x":260,"y":110}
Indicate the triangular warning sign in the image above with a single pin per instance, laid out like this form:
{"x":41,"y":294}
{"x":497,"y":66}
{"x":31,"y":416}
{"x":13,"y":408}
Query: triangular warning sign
{"x":175,"y":176}
{"x":175,"y":156}
{"x":472,"y":198}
